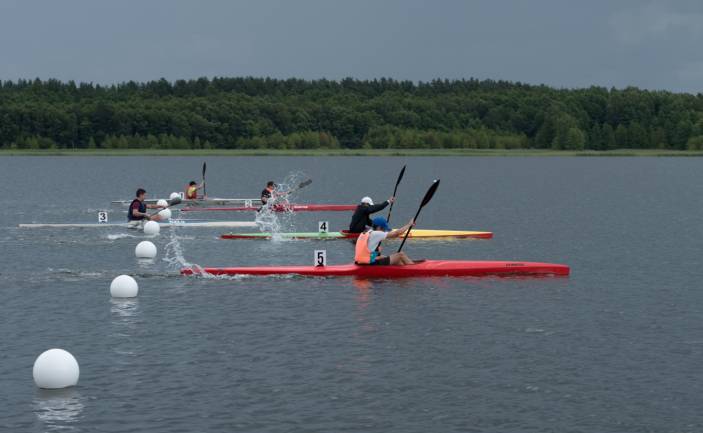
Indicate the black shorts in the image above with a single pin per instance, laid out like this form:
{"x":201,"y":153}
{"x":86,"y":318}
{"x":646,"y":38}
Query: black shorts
{"x":383,"y":261}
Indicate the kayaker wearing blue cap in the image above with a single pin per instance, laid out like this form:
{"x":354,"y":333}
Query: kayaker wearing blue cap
{"x":368,"y":242}
{"x":361,"y":220}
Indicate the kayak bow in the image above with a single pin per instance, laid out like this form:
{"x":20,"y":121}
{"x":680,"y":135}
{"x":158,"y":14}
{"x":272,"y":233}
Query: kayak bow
{"x":461,"y":234}
{"x":427,"y":268}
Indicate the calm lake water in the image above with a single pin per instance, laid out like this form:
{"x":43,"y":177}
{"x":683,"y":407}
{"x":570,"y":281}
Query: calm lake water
{"x":616,"y":347}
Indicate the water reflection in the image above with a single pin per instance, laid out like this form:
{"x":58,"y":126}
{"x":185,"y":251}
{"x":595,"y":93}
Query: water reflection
{"x":124,"y":310}
{"x":58,"y":409}
{"x":144,"y":263}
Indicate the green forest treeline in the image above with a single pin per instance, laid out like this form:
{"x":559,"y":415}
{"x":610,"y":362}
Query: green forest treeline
{"x":231,"y":113}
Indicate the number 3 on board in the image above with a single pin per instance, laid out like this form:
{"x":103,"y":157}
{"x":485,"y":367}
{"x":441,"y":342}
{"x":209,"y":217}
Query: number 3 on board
{"x":322,"y":226}
{"x":320,"y":257}
{"x":102,"y":217}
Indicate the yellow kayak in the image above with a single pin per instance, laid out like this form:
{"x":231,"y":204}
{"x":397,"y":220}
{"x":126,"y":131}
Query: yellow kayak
{"x":415,"y":233}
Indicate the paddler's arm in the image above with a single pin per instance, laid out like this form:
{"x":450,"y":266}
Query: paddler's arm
{"x":136,"y":213}
{"x":377,"y":207}
{"x":401,"y":231}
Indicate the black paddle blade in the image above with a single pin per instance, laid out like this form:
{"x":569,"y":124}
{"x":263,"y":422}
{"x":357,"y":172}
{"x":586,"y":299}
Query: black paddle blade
{"x":174,"y":201}
{"x":304,"y":184}
{"x":400,"y":177}
{"x":204,"y":168}
{"x":395,"y":190}
{"x":430,"y":193}
{"x":428,"y":196}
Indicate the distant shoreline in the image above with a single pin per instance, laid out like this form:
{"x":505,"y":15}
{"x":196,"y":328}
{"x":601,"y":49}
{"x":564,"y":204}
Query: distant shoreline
{"x":351,"y":152}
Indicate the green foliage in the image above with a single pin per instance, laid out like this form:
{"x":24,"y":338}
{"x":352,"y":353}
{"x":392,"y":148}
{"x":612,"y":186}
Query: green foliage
{"x":695,"y":143}
{"x":253,"y":113}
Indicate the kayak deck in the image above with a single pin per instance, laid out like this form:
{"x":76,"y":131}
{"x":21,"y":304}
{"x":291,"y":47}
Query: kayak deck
{"x":277,"y":208}
{"x":415,"y":233}
{"x":427,"y":268}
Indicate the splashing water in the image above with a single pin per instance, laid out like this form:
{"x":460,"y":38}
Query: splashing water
{"x":271,"y":221}
{"x":174,"y":251}
{"x":175,"y":258}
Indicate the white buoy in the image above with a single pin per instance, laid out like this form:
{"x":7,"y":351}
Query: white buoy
{"x":151,"y":228}
{"x":124,"y":286}
{"x":145,"y":250}
{"x":165,"y":214}
{"x":55,"y":369}
{"x":174,"y":195}
{"x":162,"y":202}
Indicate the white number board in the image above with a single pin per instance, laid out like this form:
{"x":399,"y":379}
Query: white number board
{"x":323,"y":226}
{"x":102,"y":217}
{"x":320,"y":257}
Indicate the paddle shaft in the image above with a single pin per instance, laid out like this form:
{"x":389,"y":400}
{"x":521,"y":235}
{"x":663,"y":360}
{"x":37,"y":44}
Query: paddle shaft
{"x":171,"y":202}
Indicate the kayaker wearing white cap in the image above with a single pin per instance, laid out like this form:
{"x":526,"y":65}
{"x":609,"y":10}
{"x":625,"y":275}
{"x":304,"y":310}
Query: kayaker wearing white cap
{"x":362,"y":214}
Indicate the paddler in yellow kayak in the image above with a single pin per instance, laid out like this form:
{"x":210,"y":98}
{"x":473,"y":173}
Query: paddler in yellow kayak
{"x":361,"y":219}
{"x":367,"y":245}
{"x":192,"y":190}
{"x":137,"y":209}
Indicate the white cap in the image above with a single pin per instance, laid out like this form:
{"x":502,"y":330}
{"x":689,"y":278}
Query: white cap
{"x":367,"y":200}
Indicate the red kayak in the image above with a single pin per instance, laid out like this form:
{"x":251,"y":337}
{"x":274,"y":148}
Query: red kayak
{"x":278,"y":208}
{"x":426,"y":268}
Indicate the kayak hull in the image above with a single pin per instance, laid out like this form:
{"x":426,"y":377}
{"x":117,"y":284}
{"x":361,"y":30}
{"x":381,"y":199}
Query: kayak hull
{"x":427,"y":268}
{"x":415,"y":233}
{"x":277,"y":208}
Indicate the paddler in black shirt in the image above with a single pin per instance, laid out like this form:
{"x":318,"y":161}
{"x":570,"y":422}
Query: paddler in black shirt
{"x":137,"y":209}
{"x":267,"y":193}
{"x":362,"y":214}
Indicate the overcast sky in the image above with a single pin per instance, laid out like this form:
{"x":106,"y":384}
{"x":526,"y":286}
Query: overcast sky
{"x":562,"y":43}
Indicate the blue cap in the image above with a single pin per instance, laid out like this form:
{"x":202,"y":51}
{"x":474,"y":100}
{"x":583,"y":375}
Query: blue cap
{"x":381,"y":223}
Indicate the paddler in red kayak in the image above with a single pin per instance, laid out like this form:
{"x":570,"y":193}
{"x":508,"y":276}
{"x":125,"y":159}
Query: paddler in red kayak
{"x":137,"y":209}
{"x":367,"y":246}
{"x":267,"y":193}
{"x":192,"y":190}
{"x":361,"y":220}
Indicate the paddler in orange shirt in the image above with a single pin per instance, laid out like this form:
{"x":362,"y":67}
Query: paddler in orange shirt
{"x":191,"y":192}
{"x":368,"y":244}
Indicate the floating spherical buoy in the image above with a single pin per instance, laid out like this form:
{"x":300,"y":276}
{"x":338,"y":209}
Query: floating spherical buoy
{"x":145,"y":250}
{"x":165,"y":214}
{"x":55,"y":369}
{"x":174,"y":195}
{"x":124,"y":286}
{"x":162,"y":202}
{"x":151,"y":228}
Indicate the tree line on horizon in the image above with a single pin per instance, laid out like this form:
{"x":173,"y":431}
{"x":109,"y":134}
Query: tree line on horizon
{"x":265,"y":113}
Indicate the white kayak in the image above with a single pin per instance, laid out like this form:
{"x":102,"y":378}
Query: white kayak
{"x":172,"y":223}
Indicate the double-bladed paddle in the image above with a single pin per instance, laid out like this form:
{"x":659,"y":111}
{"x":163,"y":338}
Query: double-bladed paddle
{"x":428,"y":196}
